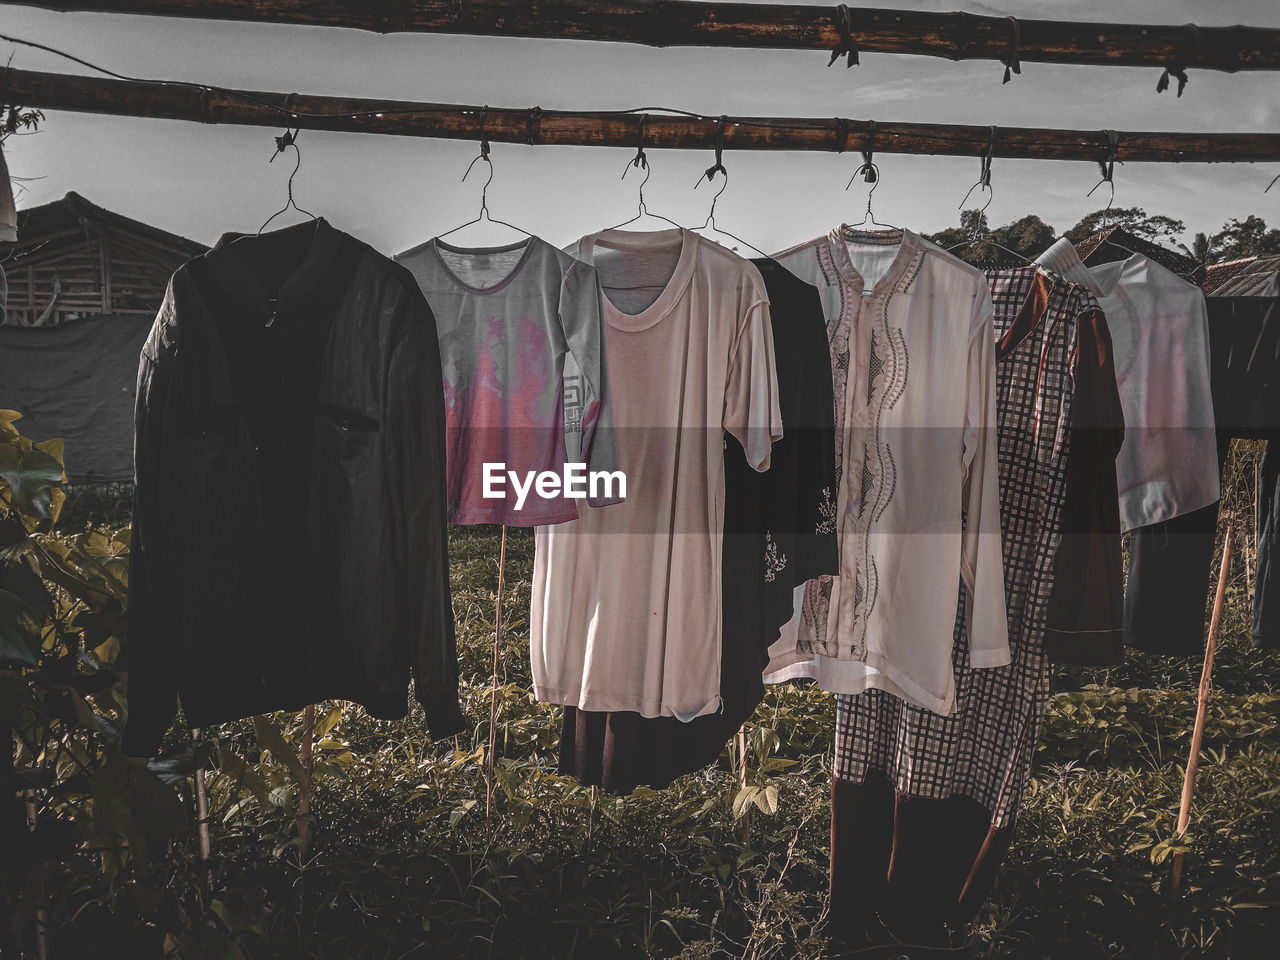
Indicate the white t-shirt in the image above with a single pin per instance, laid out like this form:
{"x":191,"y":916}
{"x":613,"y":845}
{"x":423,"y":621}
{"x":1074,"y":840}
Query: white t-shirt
{"x":1159,"y":326}
{"x":626,"y":605}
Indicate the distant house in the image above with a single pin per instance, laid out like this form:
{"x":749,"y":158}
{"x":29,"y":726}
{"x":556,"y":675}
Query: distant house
{"x":84,"y":287}
{"x":1245,"y":277}
{"x":1117,"y":243}
{"x":75,"y":260}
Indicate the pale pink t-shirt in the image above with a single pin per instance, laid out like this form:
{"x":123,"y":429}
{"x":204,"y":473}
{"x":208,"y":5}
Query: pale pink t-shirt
{"x":626,"y":600}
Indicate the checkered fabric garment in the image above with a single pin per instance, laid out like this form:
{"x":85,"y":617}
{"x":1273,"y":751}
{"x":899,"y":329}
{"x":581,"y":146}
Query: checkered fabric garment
{"x":984,"y":750}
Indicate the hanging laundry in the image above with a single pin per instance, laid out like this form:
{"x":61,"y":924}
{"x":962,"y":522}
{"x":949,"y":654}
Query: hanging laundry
{"x":923,"y":806}
{"x":626,"y":600}
{"x":1085,"y":620}
{"x":913,"y":358}
{"x":289,"y":538}
{"x":779,"y":531}
{"x":1160,"y":338}
{"x":1170,"y":563}
{"x":508,"y":319}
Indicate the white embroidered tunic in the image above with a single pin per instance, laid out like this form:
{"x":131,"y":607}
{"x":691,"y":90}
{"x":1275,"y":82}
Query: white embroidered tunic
{"x":913,"y":360}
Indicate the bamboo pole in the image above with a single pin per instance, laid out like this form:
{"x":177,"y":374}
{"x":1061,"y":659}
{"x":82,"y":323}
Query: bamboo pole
{"x":308,"y":766}
{"x":202,"y":817}
{"x":666,"y":23}
{"x":42,"y":915}
{"x":490,"y":758}
{"x":201,"y":104}
{"x":1202,"y":701}
{"x":304,"y":801}
{"x":742,"y":783}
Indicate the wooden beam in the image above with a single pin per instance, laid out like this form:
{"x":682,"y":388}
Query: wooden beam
{"x":186,"y":101}
{"x":668,"y":23}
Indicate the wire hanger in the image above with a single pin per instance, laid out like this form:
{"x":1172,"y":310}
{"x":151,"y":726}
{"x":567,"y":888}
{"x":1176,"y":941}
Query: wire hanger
{"x":288,"y":139}
{"x":979,"y":233}
{"x":484,"y":191}
{"x":642,"y":161}
{"x":709,"y":175}
{"x":1107,"y":169}
{"x":870,"y":174}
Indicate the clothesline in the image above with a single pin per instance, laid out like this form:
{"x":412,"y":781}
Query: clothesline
{"x":183,"y":100}
{"x":840,"y":28}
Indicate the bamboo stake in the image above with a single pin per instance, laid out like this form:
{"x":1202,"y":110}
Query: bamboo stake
{"x":42,"y":915}
{"x":1202,"y":700}
{"x":493,"y":691}
{"x":200,"y":104}
{"x":742,"y":783}
{"x":1257,"y":503}
{"x":662,"y":23}
{"x":304,"y":801}
{"x":591,"y":814}
{"x":202,"y":817}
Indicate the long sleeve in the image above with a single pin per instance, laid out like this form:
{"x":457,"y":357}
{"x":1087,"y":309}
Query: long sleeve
{"x":981,"y":564}
{"x":415,"y":417}
{"x":152,"y":697}
{"x":581,"y":316}
{"x":751,"y":412}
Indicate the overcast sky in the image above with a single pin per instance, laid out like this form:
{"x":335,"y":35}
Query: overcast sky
{"x":393,"y":192}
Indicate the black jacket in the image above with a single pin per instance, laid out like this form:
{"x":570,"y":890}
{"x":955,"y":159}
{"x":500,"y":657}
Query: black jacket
{"x":289,"y":532}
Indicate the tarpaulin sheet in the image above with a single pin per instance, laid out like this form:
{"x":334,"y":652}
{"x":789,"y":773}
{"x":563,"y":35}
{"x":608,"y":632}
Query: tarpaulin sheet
{"x":76,"y":381}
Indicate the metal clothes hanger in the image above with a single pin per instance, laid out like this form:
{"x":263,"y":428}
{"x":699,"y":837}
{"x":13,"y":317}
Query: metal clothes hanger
{"x":870,"y":174}
{"x":978,"y":233}
{"x":641,"y":161}
{"x":1107,"y":169}
{"x":709,"y":175}
{"x":288,"y":139}
{"x":484,"y":191}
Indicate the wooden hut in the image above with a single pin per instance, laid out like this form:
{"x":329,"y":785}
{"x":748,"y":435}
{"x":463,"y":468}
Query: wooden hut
{"x":75,"y":260}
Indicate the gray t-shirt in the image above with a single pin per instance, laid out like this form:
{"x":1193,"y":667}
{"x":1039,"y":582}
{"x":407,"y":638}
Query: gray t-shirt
{"x":524,"y":373}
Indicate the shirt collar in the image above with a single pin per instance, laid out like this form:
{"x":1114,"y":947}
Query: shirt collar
{"x":227,"y":262}
{"x":1062,"y":259}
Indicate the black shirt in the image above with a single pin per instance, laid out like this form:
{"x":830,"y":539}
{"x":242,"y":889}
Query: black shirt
{"x":289,"y":535}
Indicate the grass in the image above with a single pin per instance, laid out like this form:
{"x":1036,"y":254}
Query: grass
{"x":403,"y":866}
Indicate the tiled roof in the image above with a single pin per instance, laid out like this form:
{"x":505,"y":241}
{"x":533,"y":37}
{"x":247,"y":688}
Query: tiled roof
{"x":1117,"y":243}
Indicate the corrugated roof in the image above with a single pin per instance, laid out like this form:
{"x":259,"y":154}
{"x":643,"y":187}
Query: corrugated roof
{"x":1246,"y":277}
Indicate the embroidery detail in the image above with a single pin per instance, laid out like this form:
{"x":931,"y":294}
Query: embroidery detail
{"x":775,"y":561}
{"x":826,"y":513}
{"x":874,"y":366}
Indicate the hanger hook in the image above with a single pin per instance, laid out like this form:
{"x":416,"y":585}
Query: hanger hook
{"x":718,"y":166}
{"x":1107,"y":167}
{"x":283,"y":142}
{"x":639,"y":160}
{"x":483,"y":155}
{"x":711,"y":214}
{"x":297,"y":165}
{"x":984,"y":172}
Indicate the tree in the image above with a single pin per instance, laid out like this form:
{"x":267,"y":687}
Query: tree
{"x":1249,"y":237}
{"x":1134,"y":219}
{"x":1027,"y":237}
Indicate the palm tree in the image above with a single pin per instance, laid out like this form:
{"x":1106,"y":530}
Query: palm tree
{"x":1201,"y":249}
